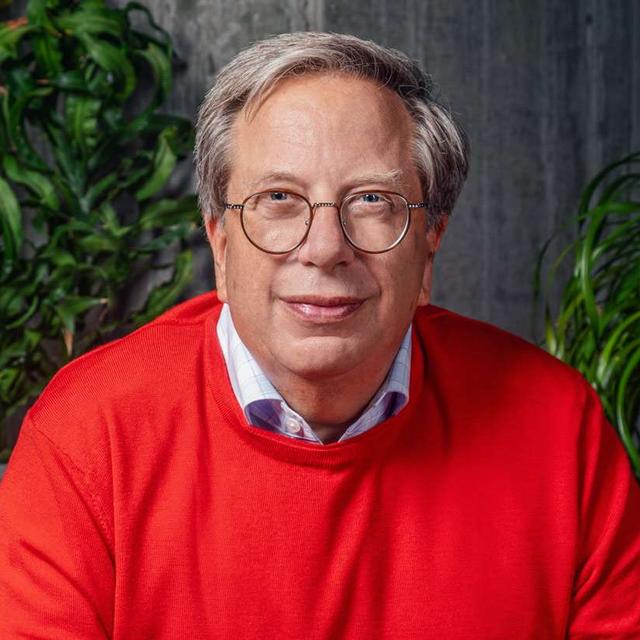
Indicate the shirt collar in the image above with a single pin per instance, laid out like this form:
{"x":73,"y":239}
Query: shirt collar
{"x":263,"y":406}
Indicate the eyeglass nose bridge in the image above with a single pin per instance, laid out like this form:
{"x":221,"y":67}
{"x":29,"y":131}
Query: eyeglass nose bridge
{"x":324,"y":204}
{"x":313,"y":209}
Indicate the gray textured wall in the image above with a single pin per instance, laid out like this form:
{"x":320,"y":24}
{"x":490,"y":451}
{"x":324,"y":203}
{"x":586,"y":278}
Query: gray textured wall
{"x":548,"y":90}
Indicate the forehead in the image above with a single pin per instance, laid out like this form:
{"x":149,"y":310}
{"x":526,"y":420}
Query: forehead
{"x":335,"y":126}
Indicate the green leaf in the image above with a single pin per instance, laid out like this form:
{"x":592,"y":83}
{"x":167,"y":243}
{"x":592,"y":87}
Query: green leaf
{"x":60,"y":258}
{"x":164,"y":161}
{"x":164,"y":213}
{"x":73,"y":168}
{"x":45,"y":45}
{"x":159,"y":59}
{"x":606,"y":358}
{"x":81,"y":120}
{"x":591,"y":188}
{"x":111,"y":222}
{"x":19,"y":94}
{"x":11,"y":301}
{"x":621,"y":184}
{"x":99,"y":188}
{"x":8,"y":377}
{"x":11,"y":220}
{"x":96,"y":243}
{"x":10,"y":35}
{"x":584,"y":266}
{"x":38,"y":183}
{"x":167,"y":294}
{"x":72,"y":306}
{"x":622,"y":407}
{"x":19,"y":321}
{"x":169,"y":236}
{"x":113,"y":60}
{"x":93,"y":20}
{"x":71,"y":80}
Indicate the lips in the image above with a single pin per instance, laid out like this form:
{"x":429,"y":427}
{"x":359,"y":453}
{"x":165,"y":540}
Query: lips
{"x":322,"y":309}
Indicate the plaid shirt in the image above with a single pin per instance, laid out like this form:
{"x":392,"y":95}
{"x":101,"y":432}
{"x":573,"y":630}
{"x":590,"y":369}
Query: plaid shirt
{"x":264,"y":407}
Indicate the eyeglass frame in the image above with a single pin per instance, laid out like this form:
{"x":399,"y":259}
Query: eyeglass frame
{"x":338,"y":206}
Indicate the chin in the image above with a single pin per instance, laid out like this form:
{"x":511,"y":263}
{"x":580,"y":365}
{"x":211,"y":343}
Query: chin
{"x":322,"y":357}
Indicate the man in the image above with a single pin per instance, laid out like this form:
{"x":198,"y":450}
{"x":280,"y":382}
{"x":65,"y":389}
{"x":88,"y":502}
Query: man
{"x":316,"y":452}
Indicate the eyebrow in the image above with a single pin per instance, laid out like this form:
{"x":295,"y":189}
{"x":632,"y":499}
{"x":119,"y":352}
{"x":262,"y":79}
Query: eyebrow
{"x":274,"y":176}
{"x":394,"y":177}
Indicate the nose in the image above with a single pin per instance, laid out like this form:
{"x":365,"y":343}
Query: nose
{"x":325,"y":245}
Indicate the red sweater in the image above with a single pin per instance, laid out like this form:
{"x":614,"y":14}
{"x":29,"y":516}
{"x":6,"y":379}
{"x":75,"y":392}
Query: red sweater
{"x":497,"y":505}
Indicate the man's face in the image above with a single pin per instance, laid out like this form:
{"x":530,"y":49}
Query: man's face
{"x":325,"y":309}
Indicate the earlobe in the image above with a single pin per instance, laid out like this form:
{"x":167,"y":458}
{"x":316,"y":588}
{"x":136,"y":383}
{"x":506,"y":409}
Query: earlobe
{"x":217,"y":235}
{"x":437,"y":231}
{"x":434,"y":236}
{"x":425,"y":288}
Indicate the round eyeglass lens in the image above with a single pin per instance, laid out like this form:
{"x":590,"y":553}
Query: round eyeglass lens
{"x":374,"y":221}
{"x":275,"y":221}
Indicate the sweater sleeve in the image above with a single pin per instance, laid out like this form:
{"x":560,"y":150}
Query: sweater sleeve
{"x":56,"y":560}
{"x":606,"y":598}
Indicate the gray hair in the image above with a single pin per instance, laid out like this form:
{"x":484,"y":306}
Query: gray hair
{"x":440,"y":147}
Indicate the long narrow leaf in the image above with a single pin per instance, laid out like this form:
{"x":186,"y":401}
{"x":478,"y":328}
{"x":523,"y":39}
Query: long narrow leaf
{"x":11,"y":223}
{"x":164,"y":161}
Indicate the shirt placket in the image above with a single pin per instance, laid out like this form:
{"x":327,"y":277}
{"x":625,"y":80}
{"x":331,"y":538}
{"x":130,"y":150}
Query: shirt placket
{"x":295,"y":425}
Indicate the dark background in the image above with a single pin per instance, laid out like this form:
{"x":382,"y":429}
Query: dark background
{"x":548,"y":91}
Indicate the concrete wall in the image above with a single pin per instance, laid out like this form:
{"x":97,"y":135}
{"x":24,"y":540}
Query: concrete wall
{"x":548,"y":90}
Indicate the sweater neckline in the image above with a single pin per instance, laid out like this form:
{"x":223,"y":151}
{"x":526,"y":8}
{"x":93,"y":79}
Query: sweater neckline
{"x":375,"y":441}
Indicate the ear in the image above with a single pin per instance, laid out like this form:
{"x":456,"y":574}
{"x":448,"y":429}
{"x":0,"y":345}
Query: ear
{"x":217,"y":235}
{"x":434,"y":237}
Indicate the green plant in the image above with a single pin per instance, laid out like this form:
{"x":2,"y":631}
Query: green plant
{"x":596,"y":327}
{"x":84,"y":154}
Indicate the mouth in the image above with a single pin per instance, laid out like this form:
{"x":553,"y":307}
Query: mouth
{"x":322,"y":309}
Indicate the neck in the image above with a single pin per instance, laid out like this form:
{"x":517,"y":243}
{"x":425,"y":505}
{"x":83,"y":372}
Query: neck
{"x":330,"y":405}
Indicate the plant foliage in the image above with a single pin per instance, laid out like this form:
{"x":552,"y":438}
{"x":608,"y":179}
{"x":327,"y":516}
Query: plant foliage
{"x":596,"y":327}
{"x":84,"y":153}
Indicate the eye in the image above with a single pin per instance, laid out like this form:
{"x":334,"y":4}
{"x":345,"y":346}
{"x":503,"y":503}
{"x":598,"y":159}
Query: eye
{"x":278,"y":196}
{"x":370,"y":198}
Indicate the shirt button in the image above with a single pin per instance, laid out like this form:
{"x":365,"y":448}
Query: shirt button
{"x":291,"y":425}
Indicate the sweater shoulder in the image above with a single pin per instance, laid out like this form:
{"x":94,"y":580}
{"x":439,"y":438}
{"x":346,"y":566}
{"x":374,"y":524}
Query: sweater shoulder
{"x":145,"y":368}
{"x":485,"y":358}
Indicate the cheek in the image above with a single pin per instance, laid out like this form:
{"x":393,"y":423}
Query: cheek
{"x":248,"y":276}
{"x":403,"y":278}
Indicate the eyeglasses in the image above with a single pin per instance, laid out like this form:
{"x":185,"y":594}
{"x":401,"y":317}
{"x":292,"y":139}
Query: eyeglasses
{"x":279,"y":221}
